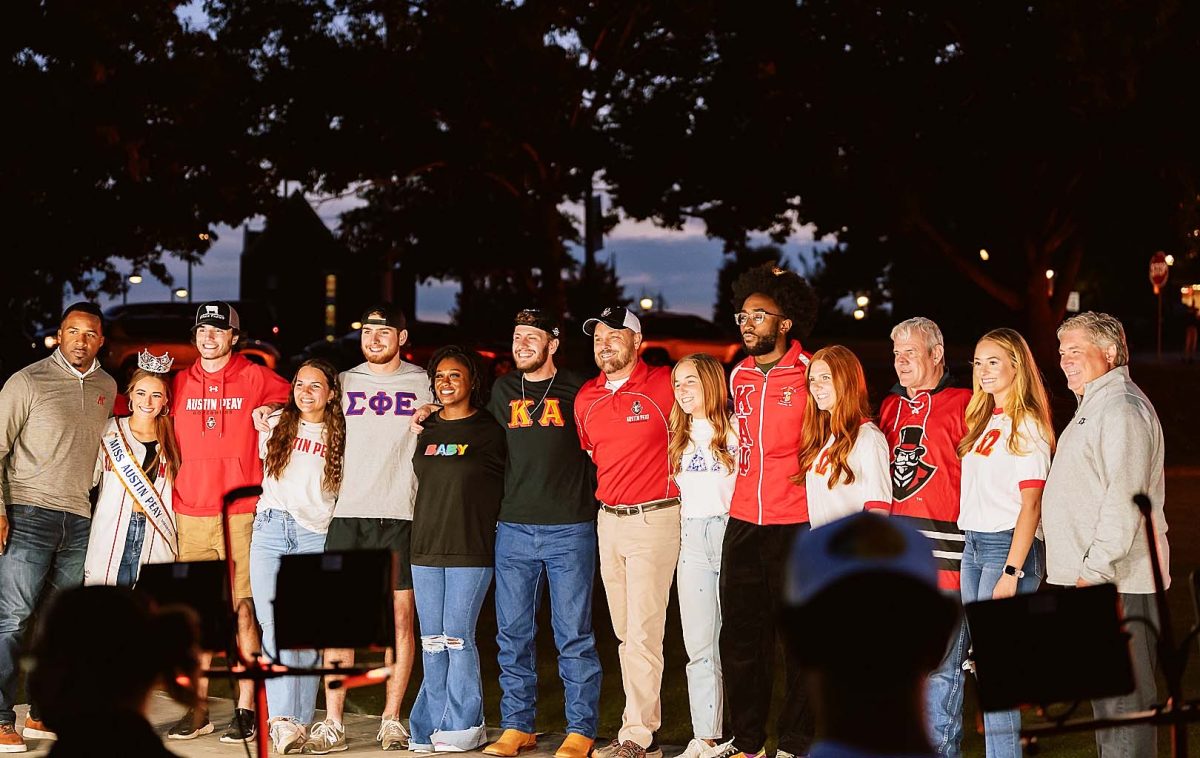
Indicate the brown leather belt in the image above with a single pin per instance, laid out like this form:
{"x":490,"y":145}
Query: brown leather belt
{"x":633,"y":510}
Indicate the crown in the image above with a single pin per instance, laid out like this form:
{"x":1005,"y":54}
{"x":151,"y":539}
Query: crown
{"x":155,"y":364}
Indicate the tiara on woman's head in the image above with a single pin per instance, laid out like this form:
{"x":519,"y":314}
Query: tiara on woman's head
{"x":155,"y":364}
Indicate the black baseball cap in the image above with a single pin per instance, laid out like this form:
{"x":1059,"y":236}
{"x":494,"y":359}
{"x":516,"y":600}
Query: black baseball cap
{"x":538,"y":319}
{"x":615,"y":317}
{"x":385,"y":314}
{"x":217,"y":313}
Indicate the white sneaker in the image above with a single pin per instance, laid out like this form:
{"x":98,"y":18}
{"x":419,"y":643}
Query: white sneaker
{"x":325,"y":737}
{"x":392,"y":735}
{"x":695,"y":749}
{"x":713,"y":751}
{"x":287,"y":736}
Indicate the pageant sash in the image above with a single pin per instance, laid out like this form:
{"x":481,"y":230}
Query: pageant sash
{"x":138,"y":485}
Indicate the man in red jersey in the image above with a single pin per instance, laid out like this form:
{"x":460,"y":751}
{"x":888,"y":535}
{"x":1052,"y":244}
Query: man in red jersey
{"x":621,"y":417}
{"x":776,"y":309}
{"x":212,"y":405}
{"x":924,"y":418}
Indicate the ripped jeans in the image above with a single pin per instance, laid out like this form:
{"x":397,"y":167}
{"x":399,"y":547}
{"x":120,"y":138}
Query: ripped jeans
{"x":449,"y":706}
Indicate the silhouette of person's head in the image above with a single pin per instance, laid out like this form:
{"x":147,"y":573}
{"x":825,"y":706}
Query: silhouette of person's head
{"x":104,"y":649}
{"x":866,"y":621}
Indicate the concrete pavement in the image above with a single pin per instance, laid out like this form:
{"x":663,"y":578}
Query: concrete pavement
{"x":360,"y":733}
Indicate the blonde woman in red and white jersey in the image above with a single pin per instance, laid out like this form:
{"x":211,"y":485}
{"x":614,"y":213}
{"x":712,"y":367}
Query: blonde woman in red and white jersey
{"x":1005,"y":459}
{"x":843,"y":455}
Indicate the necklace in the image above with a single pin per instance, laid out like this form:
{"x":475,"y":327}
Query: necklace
{"x":544,"y":394}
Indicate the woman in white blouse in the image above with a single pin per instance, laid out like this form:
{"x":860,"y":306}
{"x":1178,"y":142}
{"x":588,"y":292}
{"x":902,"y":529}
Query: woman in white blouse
{"x":702,"y":454}
{"x":843,"y":456}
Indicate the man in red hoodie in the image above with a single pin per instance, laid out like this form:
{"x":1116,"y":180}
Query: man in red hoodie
{"x":212,"y":405}
{"x":769,"y":389}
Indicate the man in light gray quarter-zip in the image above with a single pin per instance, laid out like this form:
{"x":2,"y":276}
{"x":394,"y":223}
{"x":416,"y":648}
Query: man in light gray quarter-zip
{"x":52,"y":414}
{"x":1110,"y":451}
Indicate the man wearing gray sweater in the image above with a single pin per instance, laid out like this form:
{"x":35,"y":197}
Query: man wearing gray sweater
{"x":1111,"y":451}
{"x":52,"y":414}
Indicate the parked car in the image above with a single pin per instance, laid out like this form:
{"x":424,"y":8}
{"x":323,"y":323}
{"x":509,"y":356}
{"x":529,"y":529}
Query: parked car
{"x":167,"y":327}
{"x":345,"y":351}
{"x":667,"y":337}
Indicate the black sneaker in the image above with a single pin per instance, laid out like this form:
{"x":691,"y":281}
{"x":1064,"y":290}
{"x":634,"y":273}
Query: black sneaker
{"x":191,"y":726}
{"x":241,"y":726}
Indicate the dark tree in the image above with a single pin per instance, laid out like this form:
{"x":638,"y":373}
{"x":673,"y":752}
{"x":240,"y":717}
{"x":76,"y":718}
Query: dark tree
{"x":128,"y":137}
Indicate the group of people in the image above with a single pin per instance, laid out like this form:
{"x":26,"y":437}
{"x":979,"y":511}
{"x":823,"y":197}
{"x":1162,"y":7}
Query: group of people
{"x":703,"y":481}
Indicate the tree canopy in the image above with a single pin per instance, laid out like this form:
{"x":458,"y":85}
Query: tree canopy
{"x":1055,"y":135}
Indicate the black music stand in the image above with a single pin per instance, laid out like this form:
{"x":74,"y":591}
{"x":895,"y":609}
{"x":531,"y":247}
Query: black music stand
{"x":203,"y":586}
{"x":1058,"y":645}
{"x":362,"y":582}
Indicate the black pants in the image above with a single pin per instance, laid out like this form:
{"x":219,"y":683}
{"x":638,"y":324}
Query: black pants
{"x":752,"y":566}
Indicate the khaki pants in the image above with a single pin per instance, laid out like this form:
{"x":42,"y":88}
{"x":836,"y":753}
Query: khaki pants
{"x":201,"y":538}
{"x":638,"y":554}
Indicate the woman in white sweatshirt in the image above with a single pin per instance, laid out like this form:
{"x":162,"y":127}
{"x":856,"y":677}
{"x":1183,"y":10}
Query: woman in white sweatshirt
{"x":302,"y":471}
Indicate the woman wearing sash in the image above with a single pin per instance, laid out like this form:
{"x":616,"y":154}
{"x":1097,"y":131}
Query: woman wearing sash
{"x":133,"y":523}
{"x":302,"y":472}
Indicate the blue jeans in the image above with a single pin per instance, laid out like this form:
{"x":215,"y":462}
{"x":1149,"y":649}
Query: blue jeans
{"x":131,"y":559}
{"x":449,"y":706}
{"x":944,"y":693}
{"x":983,"y":562}
{"x":698,"y":581}
{"x":45,"y":550}
{"x":277,"y":534}
{"x":528,"y":557}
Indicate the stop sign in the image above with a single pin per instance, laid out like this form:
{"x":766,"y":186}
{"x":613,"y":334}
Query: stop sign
{"x":1158,"y":270}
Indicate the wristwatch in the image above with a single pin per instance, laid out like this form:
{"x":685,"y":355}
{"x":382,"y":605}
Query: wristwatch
{"x":1014,"y":571}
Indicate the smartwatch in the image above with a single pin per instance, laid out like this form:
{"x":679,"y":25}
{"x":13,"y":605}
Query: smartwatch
{"x":1014,"y":571}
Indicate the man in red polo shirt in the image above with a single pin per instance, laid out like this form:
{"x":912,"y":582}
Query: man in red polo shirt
{"x":622,"y":416}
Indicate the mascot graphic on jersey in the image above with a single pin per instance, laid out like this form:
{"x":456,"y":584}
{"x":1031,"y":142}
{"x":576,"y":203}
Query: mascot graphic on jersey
{"x":910,"y":472}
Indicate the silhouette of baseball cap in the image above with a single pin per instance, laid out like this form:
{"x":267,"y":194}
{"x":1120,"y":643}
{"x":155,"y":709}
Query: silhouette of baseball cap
{"x":859,"y":544}
{"x":615,"y":317}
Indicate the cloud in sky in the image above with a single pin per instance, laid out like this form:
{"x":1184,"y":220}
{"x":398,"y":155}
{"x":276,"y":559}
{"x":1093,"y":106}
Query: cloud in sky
{"x":681,"y":265}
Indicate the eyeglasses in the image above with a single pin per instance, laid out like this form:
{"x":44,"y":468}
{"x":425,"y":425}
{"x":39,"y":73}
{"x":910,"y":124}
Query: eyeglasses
{"x":741,"y":317}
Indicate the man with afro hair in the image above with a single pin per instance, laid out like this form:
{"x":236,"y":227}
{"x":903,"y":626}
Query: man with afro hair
{"x":775,"y":310}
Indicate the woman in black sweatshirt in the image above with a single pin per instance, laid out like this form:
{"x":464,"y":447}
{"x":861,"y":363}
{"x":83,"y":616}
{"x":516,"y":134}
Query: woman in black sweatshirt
{"x":459,"y":462}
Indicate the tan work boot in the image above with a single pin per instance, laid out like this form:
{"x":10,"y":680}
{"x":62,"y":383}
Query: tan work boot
{"x":512,"y":742}
{"x":575,"y":746}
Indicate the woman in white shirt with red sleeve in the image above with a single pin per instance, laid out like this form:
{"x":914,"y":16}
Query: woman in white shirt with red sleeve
{"x":844,"y":456}
{"x":1005,"y":459}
